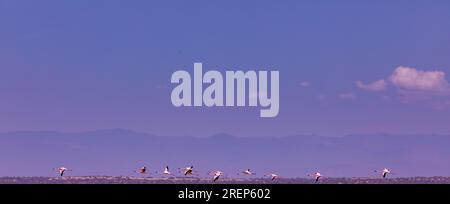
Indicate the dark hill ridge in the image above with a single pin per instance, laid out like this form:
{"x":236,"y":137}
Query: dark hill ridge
{"x":118,"y":152}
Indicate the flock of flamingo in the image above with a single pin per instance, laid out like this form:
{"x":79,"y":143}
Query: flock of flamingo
{"x":216,"y":174}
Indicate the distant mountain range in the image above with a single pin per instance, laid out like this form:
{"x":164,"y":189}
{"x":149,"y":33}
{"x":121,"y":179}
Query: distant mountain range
{"x":120,"y":152}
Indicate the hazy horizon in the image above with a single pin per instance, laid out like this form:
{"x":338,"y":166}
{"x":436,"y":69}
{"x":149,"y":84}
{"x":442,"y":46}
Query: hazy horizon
{"x":120,"y":152}
{"x":227,"y":134}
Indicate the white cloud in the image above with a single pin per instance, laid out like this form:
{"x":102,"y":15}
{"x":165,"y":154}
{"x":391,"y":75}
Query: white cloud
{"x":425,"y":87}
{"x":379,"y":85}
{"x":413,"y":80}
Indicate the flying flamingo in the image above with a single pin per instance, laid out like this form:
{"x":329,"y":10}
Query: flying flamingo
{"x":187,"y":170}
{"x":272,"y":176}
{"x":142,"y":170}
{"x":62,"y":170}
{"x":248,"y":172}
{"x":316,"y":176}
{"x":216,"y":175}
{"x":166,"y":171}
{"x":385,"y":172}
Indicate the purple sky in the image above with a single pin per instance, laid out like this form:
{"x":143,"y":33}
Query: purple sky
{"x":347,"y":67}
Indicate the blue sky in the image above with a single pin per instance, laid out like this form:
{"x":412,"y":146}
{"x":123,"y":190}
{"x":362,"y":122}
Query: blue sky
{"x":87,"y":65}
